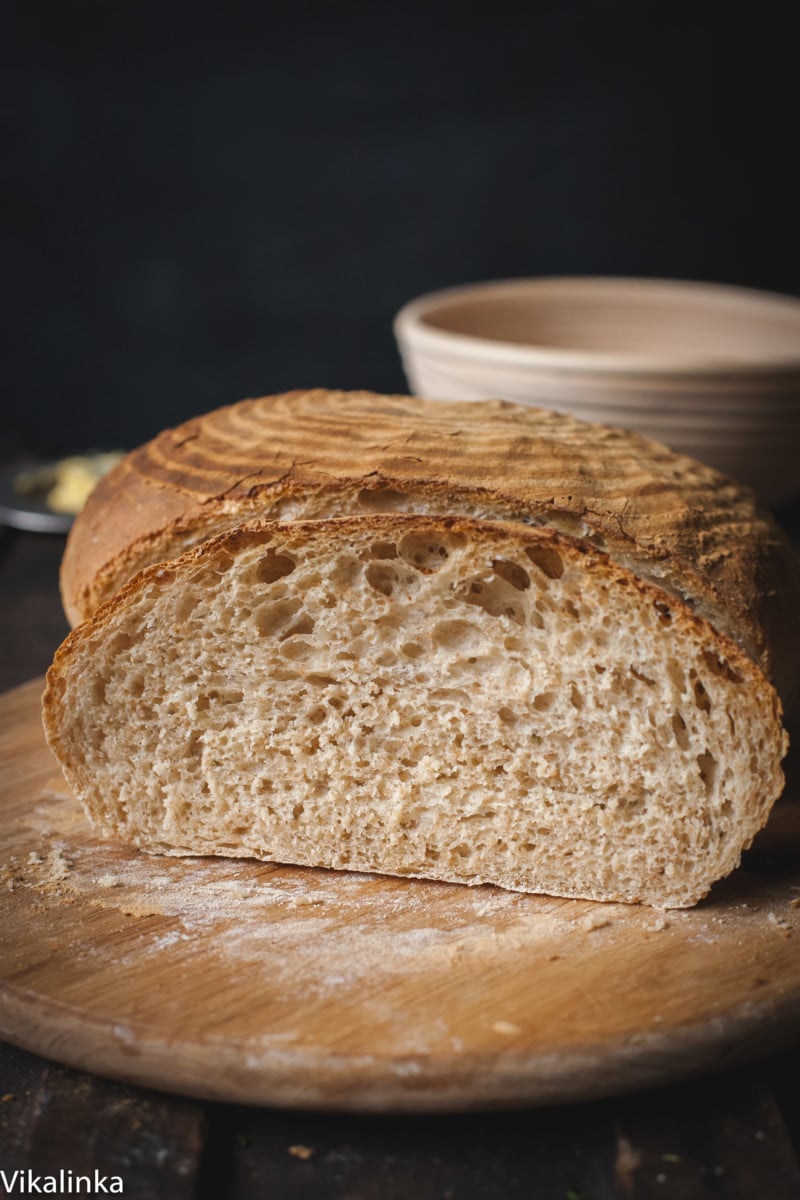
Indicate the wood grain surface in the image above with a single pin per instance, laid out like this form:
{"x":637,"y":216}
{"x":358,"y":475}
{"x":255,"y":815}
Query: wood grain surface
{"x":275,"y":985}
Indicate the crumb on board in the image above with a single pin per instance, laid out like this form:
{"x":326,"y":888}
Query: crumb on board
{"x":507,"y":1028}
{"x":109,"y":881}
{"x":300,"y":1151}
{"x":658,"y":925}
{"x":780,"y":923}
{"x":593,"y":921}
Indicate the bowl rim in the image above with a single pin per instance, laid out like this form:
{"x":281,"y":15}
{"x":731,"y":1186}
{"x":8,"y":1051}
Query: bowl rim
{"x":412,"y":330}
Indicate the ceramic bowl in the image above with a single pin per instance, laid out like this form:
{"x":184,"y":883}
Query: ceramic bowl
{"x":712,"y":371}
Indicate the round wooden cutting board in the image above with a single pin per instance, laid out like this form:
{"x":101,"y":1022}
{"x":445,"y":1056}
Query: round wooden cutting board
{"x":264,"y":984}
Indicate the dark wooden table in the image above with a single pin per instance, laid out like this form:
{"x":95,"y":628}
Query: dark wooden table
{"x":734,"y":1134}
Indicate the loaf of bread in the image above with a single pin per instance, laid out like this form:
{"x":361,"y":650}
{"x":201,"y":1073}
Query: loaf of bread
{"x":474,"y":643}
{"x":317,"y":454}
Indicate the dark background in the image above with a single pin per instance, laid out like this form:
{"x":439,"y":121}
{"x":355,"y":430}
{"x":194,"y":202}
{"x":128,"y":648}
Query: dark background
{"x":200,"y":206}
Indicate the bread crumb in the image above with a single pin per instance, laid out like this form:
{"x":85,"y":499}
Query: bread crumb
{"x":34,"y":859}
{"x":299,"y":1151}
{"x":658,"y":925}
{"x":780,"y":923}
{"x":109,"y":881}
{"x":59,"y":864}
{"x":593,"y":921}
{"x":506,"y":1027}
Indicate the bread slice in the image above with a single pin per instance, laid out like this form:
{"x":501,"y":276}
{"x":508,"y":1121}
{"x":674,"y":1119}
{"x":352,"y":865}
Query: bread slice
{"x":322,"y":454}
{"x":448,"y":698}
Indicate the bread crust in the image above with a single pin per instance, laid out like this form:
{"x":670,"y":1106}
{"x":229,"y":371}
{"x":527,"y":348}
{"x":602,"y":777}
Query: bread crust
{"x":671,"y":520}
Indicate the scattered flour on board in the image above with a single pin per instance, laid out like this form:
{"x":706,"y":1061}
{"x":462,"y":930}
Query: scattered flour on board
{"x":322,"y":930}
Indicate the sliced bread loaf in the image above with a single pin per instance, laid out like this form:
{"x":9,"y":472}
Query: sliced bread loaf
{"x":320,"y":454}
{"x":444,"y":697}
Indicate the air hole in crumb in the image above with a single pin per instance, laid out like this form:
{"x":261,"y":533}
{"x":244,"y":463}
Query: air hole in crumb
{"x":381,"y":578}
{"x":496,"y":598}
{"x":194,"y":747}
{"x":708,"y":769}
{"x":136,"y":686}
{"x":272,"y":617}
{"x":274,"y":566}
{"x":317,"y":715}
{"x":701,"y":697}
{"x":454,"y":695}
{"x":186,"y":606}
{"x":296,"y":648}
{"x":118,"y":643}
{"x":304,"y":624}
{"x":425,"y":551}
{"x":412,"y":650}
{"x":720,"y":667}
{"x":572,"y":610}
{"x":640,"y":675}
{"x":575,"y":698}
{"x":457,"y":635}
{"x":664,"y":612}
{"x":298,"y":811}
{"x":513,"y":573}
{"x":345,"y":571}
{"x":307,"y":581}
{"x":508,"y":716}
{"x":547,"y":559}
{"x":383,"y":550}
{"x":381,"y":499}
{"x":536,"y":619}
{"x":544,"y":701}
{"x":221,"y":562}
{"x":680,"y":731}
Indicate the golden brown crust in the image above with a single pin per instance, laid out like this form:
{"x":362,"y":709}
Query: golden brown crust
{"x":672,"y":520}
